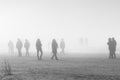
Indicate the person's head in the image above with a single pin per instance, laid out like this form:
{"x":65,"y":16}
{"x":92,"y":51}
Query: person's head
{"x":26,"y":40}
{"x":18,"y":39}
{"x":54,"y":40}
{"x":38,"y":39}
{"x":109,"y":39}
{"x":113,"y":38}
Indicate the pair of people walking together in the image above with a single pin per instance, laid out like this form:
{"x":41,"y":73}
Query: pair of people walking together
{"x":39,"y":49}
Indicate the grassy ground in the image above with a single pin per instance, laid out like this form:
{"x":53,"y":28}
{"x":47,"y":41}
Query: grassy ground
{"x":67,"y":68}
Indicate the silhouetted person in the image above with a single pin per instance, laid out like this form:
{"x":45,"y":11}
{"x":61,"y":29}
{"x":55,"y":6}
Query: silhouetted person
{"x":114,"y":43}
{"x":54,"y":49}
{"x":11,"y":47}
{"x":62,"y":46}
{"x":19,"y":46}
{"x":27,"y":46}
{"x":39,"y":49}
{"x":110,"y":47}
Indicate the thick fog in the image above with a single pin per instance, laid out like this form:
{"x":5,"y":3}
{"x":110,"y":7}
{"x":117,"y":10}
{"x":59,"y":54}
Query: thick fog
{"x":85,"y":25}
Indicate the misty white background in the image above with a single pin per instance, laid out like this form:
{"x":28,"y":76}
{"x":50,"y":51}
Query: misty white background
{"x":69,"y":19}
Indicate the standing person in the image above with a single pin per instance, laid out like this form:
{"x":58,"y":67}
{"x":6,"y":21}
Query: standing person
{"x":11,"y":47}
{"x":114,"y":43}
{"x":110,"y":48}
{"x":39,"y":49}
{"x":62,"y":46}
{"x":54,"y":49}
{"x":27,"y":46}
{"x":19,"y":46}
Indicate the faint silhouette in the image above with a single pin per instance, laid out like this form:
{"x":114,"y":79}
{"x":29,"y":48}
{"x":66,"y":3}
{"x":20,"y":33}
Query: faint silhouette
{"x":27,"y":46}
{"x":39,"y":49}
{"x":112,"y":47}
{"x":11,"y":47}
{"x":54,"y":49}
{"x":19,"y":46}
{"x":114,"y":43}
{"x":62,"y":46}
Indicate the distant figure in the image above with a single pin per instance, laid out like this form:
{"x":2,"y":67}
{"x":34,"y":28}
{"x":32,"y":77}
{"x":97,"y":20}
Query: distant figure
{"x":54,"y":49}
{"x":27,"y":46}
{"x":62,"y":46}
{"x":114,"y":43}
{"x":112,"y":47}
{"x":19,"y":46}
{"x":39,"y":49}
{"x":11,"y":47}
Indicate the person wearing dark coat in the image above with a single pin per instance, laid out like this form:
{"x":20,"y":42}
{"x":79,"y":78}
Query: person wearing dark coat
{"x":39,"y":49}
{"x":112,"y":47}
{"x":114,"y":43}
{"x":27,"y":46}
{"x":54,"y":49}
{"x":109,"y":43}
{"x":19,"y":46}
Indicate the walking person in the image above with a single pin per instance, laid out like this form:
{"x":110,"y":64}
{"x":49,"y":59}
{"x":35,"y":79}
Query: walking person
{"x":54,"y":49}
{"x":19,"y":46}
{"x":27,"y":46}
{"x":39,"y":49}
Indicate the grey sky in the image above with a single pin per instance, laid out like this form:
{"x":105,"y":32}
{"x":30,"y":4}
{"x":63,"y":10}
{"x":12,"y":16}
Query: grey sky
{"x":95,"y":19}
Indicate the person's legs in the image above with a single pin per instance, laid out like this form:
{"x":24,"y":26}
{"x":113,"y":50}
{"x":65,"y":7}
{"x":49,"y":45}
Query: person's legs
{"x":63,"y":51}
{"x":56,"y":56}
{"x":41,"y":54}
{"x":27,"y":52}
{"x":19,"y":53}
{"x":53,"y":56}
{"x":12,"y":50}
{"x":114,"y":55}
{"x":110,"y":54}
{"x":38,"y":54}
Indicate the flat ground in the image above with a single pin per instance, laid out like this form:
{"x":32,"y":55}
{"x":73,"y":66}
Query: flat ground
{"x":67,"y":68}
